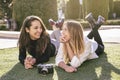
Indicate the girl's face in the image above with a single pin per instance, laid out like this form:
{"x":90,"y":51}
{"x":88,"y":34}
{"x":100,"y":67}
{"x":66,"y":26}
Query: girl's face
{"x":35,"y":30}
{"x":65,"y":33}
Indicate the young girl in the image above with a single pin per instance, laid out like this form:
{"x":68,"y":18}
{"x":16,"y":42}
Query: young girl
{"x":35,"y":40}
{"x":75,"y":48}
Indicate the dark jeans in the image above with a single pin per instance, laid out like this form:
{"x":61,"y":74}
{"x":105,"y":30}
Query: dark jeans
{"x":95,"y":34}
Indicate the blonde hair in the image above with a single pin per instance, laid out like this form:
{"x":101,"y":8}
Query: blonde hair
{"x":77,"y":41}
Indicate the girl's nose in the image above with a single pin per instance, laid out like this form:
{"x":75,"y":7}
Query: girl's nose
{"x":39,"y":30}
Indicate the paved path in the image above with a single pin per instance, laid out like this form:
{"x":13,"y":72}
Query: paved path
{"x":8,"y":43}
{"x":111,"y":35}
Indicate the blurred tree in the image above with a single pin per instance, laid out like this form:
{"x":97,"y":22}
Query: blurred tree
{"x":117,"y":8}
{"x":61,"y":8}
{"x":4,"y":8}
{"x":1,"y":10}
{"x":111,"y":11}
{"x":45,"y":9}
{"x":81,"y":14}
{"x":97,"y":7}
{"x":72,"y":9}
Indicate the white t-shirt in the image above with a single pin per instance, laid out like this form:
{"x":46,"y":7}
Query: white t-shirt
{"x":89,"y":53}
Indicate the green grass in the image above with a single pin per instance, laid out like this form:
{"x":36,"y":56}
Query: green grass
{"x":107,"y":67}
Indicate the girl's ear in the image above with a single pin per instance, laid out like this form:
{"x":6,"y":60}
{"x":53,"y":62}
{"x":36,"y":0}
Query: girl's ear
{"x":27,"y":30}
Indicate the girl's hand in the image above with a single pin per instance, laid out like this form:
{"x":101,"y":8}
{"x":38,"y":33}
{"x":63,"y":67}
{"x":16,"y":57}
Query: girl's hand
{"x":29,"y":62}
{"x":62,"y":39}
{"x":66,"y":67}
{"x":70,"y":69}
{"x":28,"y":66}
{"x":32,"y":61}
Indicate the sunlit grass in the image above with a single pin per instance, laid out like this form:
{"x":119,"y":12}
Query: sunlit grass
{"x":107,"y":67}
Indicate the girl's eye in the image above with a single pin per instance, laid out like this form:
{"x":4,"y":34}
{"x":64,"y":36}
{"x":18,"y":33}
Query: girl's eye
{"x":36,"y":27}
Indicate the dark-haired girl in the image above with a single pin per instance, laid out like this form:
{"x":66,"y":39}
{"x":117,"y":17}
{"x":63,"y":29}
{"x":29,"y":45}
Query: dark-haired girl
{"x":35,"y":41}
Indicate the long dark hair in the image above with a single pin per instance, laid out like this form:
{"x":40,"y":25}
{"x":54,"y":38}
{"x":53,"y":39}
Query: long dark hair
{"x":24,"y":38}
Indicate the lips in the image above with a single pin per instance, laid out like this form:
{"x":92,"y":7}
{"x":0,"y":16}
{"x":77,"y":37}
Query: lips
{"x":38,"y":34}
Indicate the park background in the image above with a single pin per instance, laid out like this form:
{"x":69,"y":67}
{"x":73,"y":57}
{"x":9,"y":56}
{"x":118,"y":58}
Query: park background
{"x":106,"y":67}
{"x":17,"y":10}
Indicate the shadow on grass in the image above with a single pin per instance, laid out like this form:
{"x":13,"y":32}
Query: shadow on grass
{"x":18,"y":72}
{"x":97,"y":69}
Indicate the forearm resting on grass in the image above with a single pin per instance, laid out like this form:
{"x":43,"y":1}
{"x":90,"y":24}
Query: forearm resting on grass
{"x":66,"y":67}
{"x":74,"y":60}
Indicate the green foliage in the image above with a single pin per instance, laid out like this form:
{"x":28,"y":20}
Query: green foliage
{"x":1,"y":9}
{"x":45,"y":9}
{"x":111,"y":9}
{"x":1,"y":12}
{"x":113,"y":22}
{"x":97,"y":7}
{"x":117,"y":8}
{"x":72,"y":9}
{"x":4,"y":8}
{"x":85,"y":24}
{"x":2,"y":27}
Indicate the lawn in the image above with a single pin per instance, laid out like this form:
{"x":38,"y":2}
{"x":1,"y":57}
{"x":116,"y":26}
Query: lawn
{"x":107,"y":67}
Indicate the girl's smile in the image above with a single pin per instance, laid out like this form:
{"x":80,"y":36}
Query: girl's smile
{"x":35,"y":30}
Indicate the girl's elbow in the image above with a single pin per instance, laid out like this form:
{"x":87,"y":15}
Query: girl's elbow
{"x":76,"y":65}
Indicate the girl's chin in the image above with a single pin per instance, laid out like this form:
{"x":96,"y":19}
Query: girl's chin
{"x":35,"y":38}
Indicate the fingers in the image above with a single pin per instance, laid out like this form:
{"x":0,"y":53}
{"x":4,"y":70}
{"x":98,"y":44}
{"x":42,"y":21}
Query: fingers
{"x":28,"y":66}
{"x":75,"y":69}
{"x":29,"y":62}
{"x":33,"y":61}
{"x":62,"y":39}
{"x":70,"y":69}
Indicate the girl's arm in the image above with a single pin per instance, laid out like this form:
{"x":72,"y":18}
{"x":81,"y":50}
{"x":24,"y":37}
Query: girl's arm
{"x":66,"y":67}
{"x":74,"y":60}
{"x":26,"y":61}
{"x":60,"y":62}
{"x":22,"y":55}
{"x":69,"y":51}
{"x":46,"y":55}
